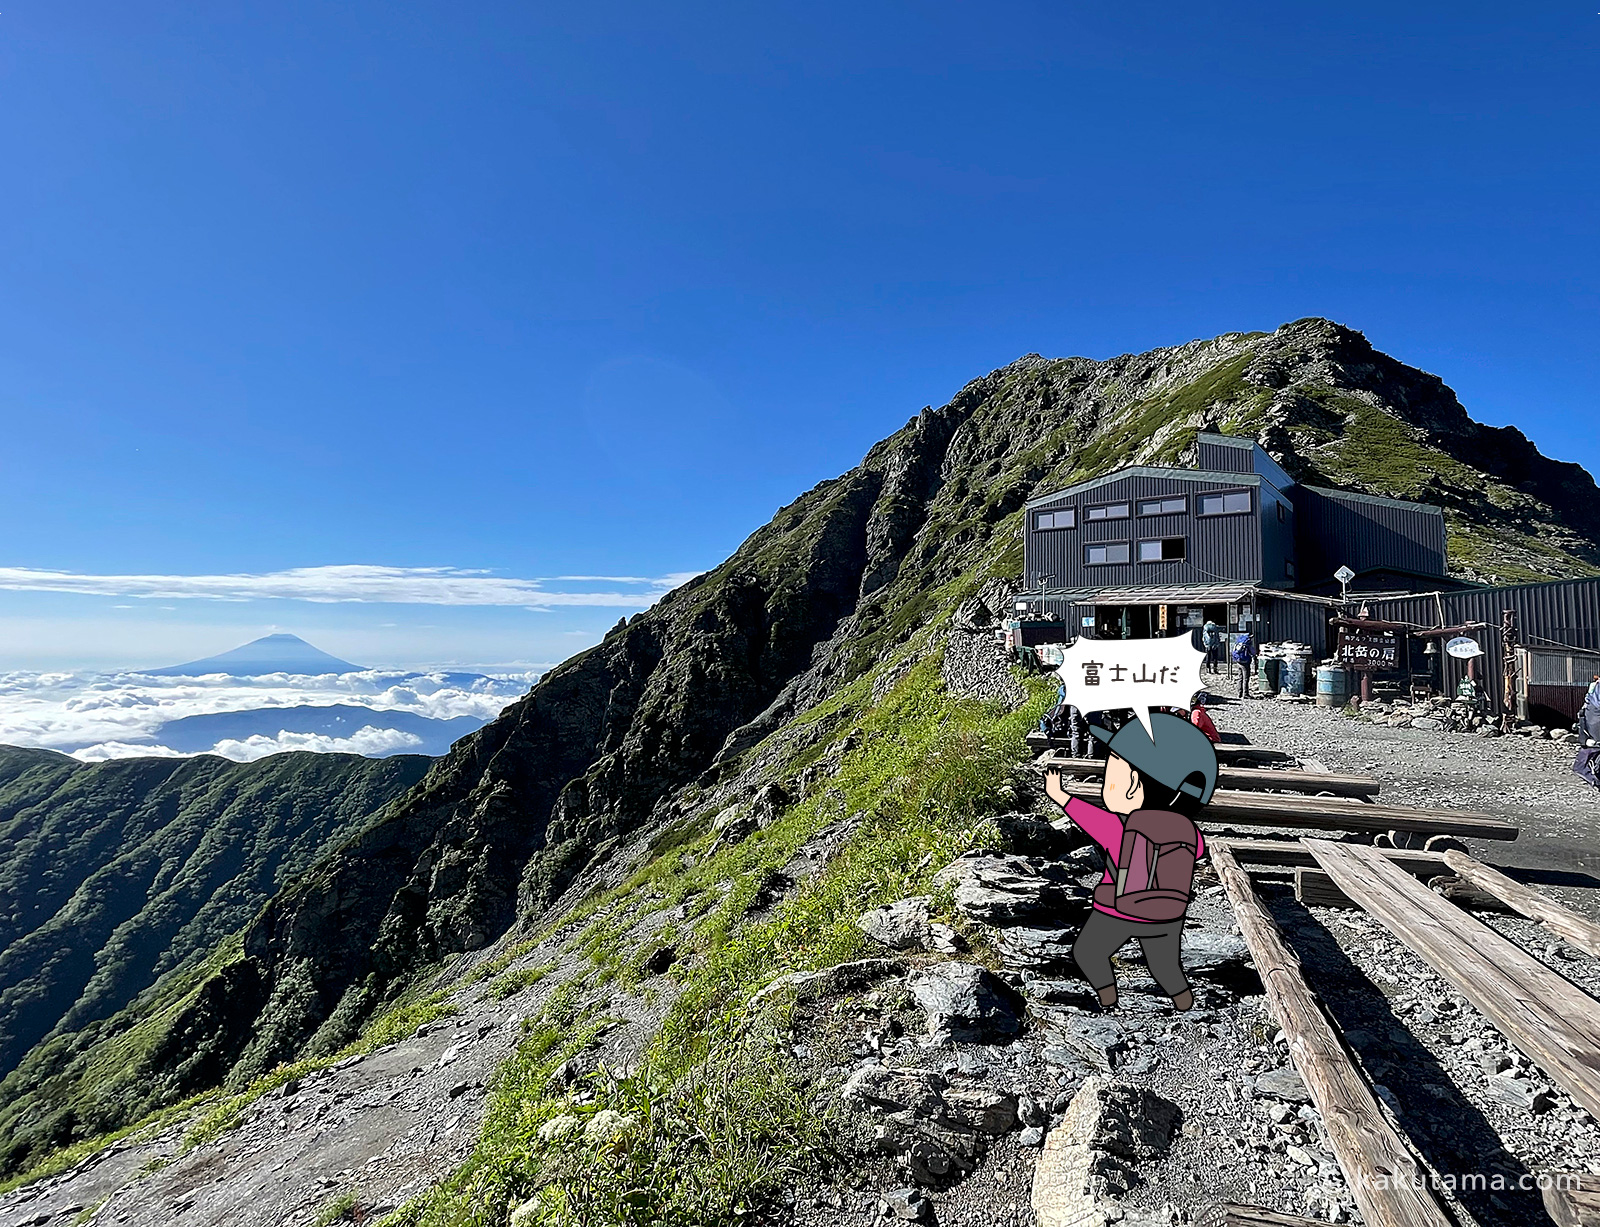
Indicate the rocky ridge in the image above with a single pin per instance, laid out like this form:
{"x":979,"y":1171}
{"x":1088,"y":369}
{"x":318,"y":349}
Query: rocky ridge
{"x":817,"y":596}
{"x":975,"y":1086}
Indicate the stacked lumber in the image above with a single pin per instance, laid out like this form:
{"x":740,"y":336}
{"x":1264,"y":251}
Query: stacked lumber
{"x":1332,"y":814}
{"x":1240,"y":778}
{"x":1553,"y":1022}
{"x":1226,"y":753}
{"x":1384,"y":1177}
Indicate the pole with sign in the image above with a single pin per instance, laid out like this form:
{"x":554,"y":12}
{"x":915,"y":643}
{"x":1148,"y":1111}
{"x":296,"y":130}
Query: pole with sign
{"x":1344,"y":575}
{"x":1464,"y":647}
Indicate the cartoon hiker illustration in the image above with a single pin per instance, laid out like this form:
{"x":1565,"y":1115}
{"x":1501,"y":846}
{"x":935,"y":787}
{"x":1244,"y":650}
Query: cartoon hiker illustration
{"x":1153,"y":789}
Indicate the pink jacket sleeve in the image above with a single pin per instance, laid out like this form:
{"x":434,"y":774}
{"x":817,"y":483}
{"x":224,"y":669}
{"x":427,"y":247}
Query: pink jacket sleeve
{"x":1100,"y":825}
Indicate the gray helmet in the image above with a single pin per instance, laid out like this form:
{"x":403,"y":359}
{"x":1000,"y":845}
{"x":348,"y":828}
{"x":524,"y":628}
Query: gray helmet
{"x":1179,"y":752}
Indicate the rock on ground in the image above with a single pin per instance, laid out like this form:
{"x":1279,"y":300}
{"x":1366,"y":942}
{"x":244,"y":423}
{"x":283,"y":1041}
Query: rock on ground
{"x":966,"y":1002}
{"x":909,"y":925}
{"x":1002,"y":889}
{"x":1088,"y":1159}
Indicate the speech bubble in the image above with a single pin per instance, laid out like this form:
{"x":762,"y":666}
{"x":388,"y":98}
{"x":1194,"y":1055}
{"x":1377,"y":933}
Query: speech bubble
{"x":1107,"y":674}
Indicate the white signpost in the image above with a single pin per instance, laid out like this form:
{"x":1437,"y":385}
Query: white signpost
{"x":1463,"y":647}
{"x":1344,"y":575}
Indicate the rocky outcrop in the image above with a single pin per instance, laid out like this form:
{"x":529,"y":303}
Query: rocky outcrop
{"x":936,"y":1130}
{"x":1090,"y":1159}
{"x":966,"y":1002}
{"x":1002,"y":889}
{"x":840,"y":978}
{"x":908,"y":924}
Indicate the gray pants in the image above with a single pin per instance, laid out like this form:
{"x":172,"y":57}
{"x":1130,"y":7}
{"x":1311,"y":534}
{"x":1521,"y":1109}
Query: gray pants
{"x":1104,"y":935}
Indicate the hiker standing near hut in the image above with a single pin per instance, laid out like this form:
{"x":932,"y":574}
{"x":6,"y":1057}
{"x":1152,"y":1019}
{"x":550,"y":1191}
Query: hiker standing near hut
{"x":1211,"y":640}
{"x":1589,"y":715}
{"x":1152,"y":790}
{"x":1244,"y":655}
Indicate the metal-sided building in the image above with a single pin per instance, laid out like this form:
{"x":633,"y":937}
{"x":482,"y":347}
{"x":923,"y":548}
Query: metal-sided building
{"x":1148,"y":551}
{"x":1557,"y":631}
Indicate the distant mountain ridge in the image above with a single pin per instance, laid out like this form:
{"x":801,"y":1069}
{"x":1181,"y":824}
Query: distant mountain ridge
{"x":270,"y":654}
{"x":827,"y":590}
{"x":198,"y":734}
{"x":114,"y":874}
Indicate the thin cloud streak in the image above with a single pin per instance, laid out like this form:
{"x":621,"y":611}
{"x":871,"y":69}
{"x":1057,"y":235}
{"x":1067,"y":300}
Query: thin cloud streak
{"x":352,"y":583}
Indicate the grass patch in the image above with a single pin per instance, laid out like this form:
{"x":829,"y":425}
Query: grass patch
{"x":513,"y":982}
{"x":341,"y":1209}
{"x":652,"y":1147}
{"x":490,"y":968}
{"x":717,"y":1121}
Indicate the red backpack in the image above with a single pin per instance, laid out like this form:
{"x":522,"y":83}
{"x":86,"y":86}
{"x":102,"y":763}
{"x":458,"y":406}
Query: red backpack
{"x":1155,"y":871}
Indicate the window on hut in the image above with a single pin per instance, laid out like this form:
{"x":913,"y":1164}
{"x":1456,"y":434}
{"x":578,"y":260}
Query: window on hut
{"x":1099,"y":555}
{"x":1062,"y":518}
{"x":1225,"y":503}
{"x":1111,"y":511}
{"x":1163,"y":506}
{"x":1166,"y":549}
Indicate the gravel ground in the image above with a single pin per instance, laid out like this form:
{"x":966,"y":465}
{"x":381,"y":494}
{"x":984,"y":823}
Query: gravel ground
{"x":1524,"y":780}
{"x":1468,"y":1101}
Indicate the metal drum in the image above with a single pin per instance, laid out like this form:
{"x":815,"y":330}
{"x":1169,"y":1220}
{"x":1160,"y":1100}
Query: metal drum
{"x":1292,"y":677}
{"x":1333,"y":686}
{"x":1267,"y":671}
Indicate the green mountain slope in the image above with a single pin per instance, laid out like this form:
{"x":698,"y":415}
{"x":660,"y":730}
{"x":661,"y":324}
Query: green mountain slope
{"x":837,"y":607}
{"x":115,"y":874}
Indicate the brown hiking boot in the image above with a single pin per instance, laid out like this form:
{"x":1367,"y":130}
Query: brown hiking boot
{"x":1184,"y":1000}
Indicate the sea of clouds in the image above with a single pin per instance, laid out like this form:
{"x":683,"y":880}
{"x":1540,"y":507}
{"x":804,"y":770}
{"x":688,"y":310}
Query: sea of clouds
{"x":100,"y":716}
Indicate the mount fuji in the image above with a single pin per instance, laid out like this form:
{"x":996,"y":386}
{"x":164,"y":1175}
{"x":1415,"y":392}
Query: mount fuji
{"x":270,"y":654}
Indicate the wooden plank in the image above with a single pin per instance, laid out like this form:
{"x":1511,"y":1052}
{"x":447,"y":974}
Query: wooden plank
{"x":1254,"y":1216}
{"x":1226,"y":753}
{"x":1251,"y":754}
{"x":1293,"y":852}
{"x":1243,"y":778}
{"x":1554,"y":1023}
{"x":1314,"y":888}
{"x":1566,"y":924}
{"x":1383,"y":1176}
{"x":1330,"y":814}
{"x":1572,"y":1199}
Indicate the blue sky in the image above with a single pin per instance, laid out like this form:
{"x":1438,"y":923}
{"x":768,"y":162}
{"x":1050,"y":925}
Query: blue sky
{"x":539,"y":291}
